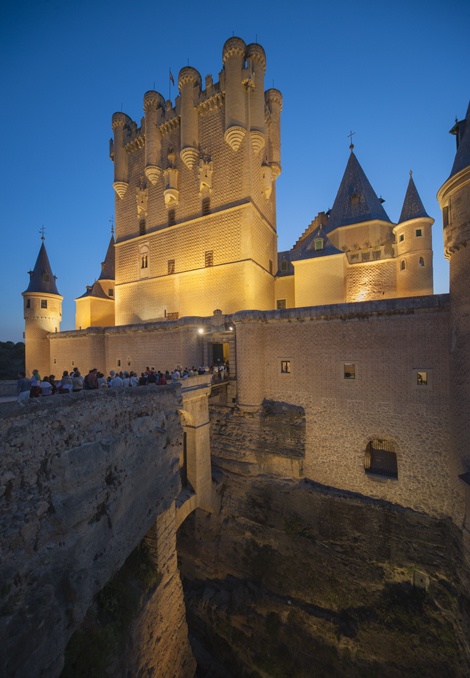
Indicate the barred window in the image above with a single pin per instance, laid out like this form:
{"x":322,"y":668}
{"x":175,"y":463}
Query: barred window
{"x":171,"y":218}
{"x":281,"y":303}
{"x":142,"y":227}
{"x":419,"y":232}
{"x":171,"y":266}
{"x":381,"y":459}
{"x":209,"y":259}
{"x":206,"y":206}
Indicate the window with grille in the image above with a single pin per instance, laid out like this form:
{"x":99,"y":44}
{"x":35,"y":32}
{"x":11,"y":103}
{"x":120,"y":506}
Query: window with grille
{"x":171,"y":266}
{"x":206,"y":206}
{"x":281,"y":303}
{"x":381,"y":459}
{"x":43,"y":303}
{"x":171,"y":218}
{"x":209,"y":259}
{"x":285,"y":366}
{"x":419,"y":232}
{"x":142,"y":227}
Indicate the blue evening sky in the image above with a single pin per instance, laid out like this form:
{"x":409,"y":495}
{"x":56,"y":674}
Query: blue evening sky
{"x":395,"y":73}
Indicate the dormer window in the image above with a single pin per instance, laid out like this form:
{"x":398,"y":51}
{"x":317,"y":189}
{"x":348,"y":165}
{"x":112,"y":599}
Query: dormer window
{"x":110,"y":293}
{"x":355,"y":199}
{"x":45,"y":277}
{"x":318,"y":244}
{"x":284,"y":265}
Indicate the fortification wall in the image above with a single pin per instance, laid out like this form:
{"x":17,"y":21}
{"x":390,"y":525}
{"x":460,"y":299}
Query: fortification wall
{"x":387,"y":342}
{"x":83,"y":478}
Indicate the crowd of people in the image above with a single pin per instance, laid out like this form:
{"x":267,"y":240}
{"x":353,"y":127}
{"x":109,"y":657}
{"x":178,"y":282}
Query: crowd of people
{"x":74,"y":382}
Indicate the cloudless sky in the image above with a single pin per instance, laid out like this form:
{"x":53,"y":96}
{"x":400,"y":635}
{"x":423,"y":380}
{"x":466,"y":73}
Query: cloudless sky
{"x":395,"y":73}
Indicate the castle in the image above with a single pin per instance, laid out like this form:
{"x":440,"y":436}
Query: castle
{"x":345,"y":324}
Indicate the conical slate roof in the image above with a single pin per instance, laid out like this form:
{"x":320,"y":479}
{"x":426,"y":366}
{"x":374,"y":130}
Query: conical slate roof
{"x":368,"y":206}
{"x":107,"y":272}
{"x":462,"y":157}
{"x":41,"y":279}
{"x":412,"y":208}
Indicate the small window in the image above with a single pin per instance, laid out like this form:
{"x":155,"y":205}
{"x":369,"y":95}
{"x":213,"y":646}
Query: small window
{"x":209,"y":259}
{"x":28,"y":303}
{"x":285,"y":366}
{"x":318,"y":245}
{"x":171,"y":266}
{"x":355,"y":199}
{"x":421,"y":261}
{"x":111,"y":293}
{"x":171,"y":218}
{"x":284,"y":265}
{"x":73,"y":363}
{"x":381,"y":459}
{"x":55,"y":329}
{"x":270,"y":267}
{"x":142,"y":227}
{"x":45,"y":277}
{"x":376,"y":255}
{"x":55,"y":361}
{"x":419,"y":232}
{"x":349,"y":371}
{"x":402,"y":237}
{"x":445,"y":216}
{"x":173,"y":316}
{"x":43,"y":303}
{"x":281,"y":303}
{"x":402,"y":265}
{"x":421,"y":379}
{"x":206,"y":206}
{"x":118,"y":363}
{"x":144,"y":261}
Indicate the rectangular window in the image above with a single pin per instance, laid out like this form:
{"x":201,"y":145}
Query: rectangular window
{"x":55,"y":328}
{"x":206,"y":206}
{"x":142,"y":227}
{"x":28,"y":303}
{"x":171,"y":266}
{"x":43,"y":303}
{"x":111,"y":293}
{"x":209,"y":259}
{"x":281,"y":303}
{"x":118,"y":363}
{"x":318,"y":245}
{"x":419,"y":232}
{"x":270,"y":266}
{"x":445,"y":216}
{"x":402,"y":237}
{"x":73,"y":363}
{"x":375,"y":255}
{"x":349,"y":371}
{"x":285,"y":366}
{"x":173,"y":316}
{"x":421,"y":379}
{"x":55,"y":361}
{"x":171,"y":218}
{"x":284,"y":265}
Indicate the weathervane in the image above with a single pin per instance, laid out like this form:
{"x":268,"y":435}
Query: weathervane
{"x":350,"y":135}
{"x":111,"y":221}
{"x":42,"y":231}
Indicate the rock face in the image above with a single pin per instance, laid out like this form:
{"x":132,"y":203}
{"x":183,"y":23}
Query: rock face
{"x":83,"y":478}
{"x":297,"y":579}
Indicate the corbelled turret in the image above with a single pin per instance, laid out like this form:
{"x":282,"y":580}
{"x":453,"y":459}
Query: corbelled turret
{"x":233,"y":57}
{"x":153,"y":138}
{"x":121,"y":168}
{"x":189,"y":84}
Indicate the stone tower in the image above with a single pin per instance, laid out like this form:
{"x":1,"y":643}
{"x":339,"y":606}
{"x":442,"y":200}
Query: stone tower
{"x":195,"y":194}
{"x":42,"y":314}
{"x":454,"y":199}
{"x":413,"y":236}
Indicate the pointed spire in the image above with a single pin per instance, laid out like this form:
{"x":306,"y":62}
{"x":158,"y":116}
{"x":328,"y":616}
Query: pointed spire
{"x":107,"y":267}
{"x":412,"y":208}
{"x":41,"y":278}
{"x":356,"y":200}
{"x":462,"y":131}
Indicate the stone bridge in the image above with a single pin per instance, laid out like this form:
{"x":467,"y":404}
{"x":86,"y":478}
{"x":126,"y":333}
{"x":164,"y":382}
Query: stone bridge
{"x":83,"y":479}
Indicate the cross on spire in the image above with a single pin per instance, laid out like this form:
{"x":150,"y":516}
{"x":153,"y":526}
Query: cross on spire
{"x":350,"y":136}
{"x":411,"y":173}
{"x":42,"y":231}
{"x":111,"y":221}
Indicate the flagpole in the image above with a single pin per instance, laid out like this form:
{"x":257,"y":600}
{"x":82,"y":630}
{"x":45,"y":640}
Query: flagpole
{"x":169,"y":84}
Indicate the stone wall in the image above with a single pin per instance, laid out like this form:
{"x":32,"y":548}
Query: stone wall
{"x":387,"y":342}
{"x":83,"y":478}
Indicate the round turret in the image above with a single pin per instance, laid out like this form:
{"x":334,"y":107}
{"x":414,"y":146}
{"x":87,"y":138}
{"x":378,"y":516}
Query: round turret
{"x":121,"y":169}
{"x":256,"y":54}
{"x":273,"y":99}
{"x":189,"y":83}
{"x":188,"y":74}
{"x":153,"y":139}
{"x":120,"y":119}
{"x":233,"y":56}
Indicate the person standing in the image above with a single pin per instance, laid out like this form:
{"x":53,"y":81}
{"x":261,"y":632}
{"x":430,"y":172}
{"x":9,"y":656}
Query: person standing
{"x":77,"y":383}
{"x":35,"y":391}
{"x":23,"y":387}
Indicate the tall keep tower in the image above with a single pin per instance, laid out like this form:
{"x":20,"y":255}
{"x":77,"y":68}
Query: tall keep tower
{"x":195,"y":194}
{"x":42,"y":314}
{"x":454,"y":199}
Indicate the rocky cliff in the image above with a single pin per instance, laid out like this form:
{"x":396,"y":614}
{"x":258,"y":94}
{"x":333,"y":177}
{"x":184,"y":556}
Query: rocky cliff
{"x":297,"y":579}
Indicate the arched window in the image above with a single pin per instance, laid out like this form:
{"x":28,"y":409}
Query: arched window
{"x":144,"y":256}
{"x":381,"y":459}
{"x":402,"y":265}
{"x":144,"y":261}
{"x":421,"y":261}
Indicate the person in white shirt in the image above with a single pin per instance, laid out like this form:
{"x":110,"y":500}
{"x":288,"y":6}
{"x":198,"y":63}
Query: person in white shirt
{"x":115,"y":380}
